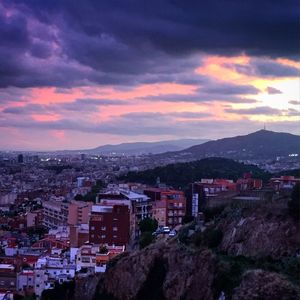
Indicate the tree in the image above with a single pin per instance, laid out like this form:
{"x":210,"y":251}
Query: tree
{"x":91,"y":196}
{"x":78,"y":197}
{"x":187,"y":219}
{"x":148,"y":225}
{"x":294,"y":203}
{"x":146,"y":239}
{"x":103,"y":249}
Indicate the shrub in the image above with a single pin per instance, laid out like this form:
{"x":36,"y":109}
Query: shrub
{"x":212,"y":212}
{"x":212,"y":237}
{"x":146,"y":239}
{"x":187,"y":219}
{"x":148,"y":225}
{"x":294,"y":203}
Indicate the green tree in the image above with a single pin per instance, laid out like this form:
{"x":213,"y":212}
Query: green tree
{"x":91,"y":196}
{"x":78,"y":197}
{"x":148,"y":225}
{"x":187,"y":219}
{"x":294,"y":203}
{"x":146,"y":239}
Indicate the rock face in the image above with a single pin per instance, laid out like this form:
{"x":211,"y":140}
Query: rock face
{"x":258,"y":284}
{"x":161,"y":271}
{"x":171,"y":270}
{"x":86,"y":287}
{"x":260,"y":233}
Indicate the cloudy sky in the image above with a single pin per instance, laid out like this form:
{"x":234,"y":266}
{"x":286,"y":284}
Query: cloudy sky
{"x":79,"y":74}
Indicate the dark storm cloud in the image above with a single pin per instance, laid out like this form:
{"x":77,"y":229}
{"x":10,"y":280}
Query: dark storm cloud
{"x":198,"y":98}
{"x":211,"y":91}
{"x":67,"y":43}
{"x":274,"y":69}
{"x":264,"y":27}
{"x":13,"y":94}
{"x":273,"y":91}
{"x":26,"y":109}
{"x":266,"y":68}
{"x":78,"y":105}
{"x":262,"y":110}
{"x":91,"y":104}
{"x":229,"y":89}
{"x":154,"y":124}
{"x":294,"y":102}
{"x":293,"y":112}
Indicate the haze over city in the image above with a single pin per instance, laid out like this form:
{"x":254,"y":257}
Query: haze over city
{"x":79,"y":74}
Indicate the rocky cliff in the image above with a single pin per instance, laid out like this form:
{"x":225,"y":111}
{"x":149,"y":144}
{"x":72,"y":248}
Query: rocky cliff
{"x":255,"y":259}
{"x":165,"y":270}
{"x":260,"y":232}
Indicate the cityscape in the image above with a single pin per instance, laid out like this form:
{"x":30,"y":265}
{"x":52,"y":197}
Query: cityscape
{"x":149,"y":150}
{"x":65,"y":217}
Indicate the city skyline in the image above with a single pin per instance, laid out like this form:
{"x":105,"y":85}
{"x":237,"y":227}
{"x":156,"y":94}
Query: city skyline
{"x":80,"y":75}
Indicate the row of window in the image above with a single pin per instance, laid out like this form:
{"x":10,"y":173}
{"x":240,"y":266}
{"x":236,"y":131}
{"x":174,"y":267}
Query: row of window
{"x":103,"y":228}
{"x":103,"y":236}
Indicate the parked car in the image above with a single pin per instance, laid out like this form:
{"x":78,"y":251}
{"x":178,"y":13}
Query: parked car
{"x":172,"y":233}
{"x":166,"y":229}
{"x":158,"y":231}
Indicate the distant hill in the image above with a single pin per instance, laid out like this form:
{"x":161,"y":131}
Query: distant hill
{"x":181,"y":174}
{"x":261,"y":144}
{"x":147,"y":147}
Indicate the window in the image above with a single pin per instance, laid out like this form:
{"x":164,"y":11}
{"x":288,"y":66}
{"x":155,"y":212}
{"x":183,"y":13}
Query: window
{"x":115,"y":228}
{"x":103,"y":236}
{"x":103,"y":228}
{"x":85,"y":259}
{"x":93,"y":228}
{"x":92,"y":235}
{"x":37,"y":285}
{"x":114,"y":236}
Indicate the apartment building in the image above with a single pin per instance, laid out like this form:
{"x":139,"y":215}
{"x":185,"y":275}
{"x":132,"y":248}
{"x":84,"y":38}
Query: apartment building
{"x":79,"y":212}
{"x":168,"y":206}
{"x":55,"y":213}
{"x":34,"y":218}
{"x":284,"y":183}
{"x":110,"y":224}
{"x":96,"y":257}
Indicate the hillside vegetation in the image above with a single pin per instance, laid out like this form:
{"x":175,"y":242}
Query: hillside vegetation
{"x":181,"y":174}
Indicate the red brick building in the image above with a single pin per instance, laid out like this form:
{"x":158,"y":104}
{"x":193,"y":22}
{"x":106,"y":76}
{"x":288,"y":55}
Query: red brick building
{"x":169,"y":206}
{"x":284,"y":183}
{"x":248,"y":183}
{"x":110,"y":224}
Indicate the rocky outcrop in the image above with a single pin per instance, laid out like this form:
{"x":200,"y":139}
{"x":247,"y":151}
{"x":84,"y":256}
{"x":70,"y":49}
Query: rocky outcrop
{"x":161,"y":271}
{"x":167,"y":269}
{"x":86,"y":287}
{"x":258,"y":284}
{"x":260,"y":233}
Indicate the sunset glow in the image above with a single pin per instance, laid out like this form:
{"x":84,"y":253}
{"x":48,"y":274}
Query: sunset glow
{"x":79,"y":87}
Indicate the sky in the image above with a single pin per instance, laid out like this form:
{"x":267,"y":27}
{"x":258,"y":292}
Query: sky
{"x":79,"y":74}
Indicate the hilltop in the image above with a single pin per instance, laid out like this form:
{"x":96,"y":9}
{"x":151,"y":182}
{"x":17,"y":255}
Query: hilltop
{"x":180,"y":174}
{"x":262,"y":144}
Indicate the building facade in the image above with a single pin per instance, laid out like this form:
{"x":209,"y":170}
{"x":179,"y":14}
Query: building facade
{"x":168,"y":206}
{"x":110,"y":224}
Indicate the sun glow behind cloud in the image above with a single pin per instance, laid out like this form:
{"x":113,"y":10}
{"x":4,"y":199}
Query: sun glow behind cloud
{"x":144,"y":78}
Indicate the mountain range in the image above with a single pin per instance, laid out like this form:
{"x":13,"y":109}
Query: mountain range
{"x":146,"y":147}
{"x":261,"y":144}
